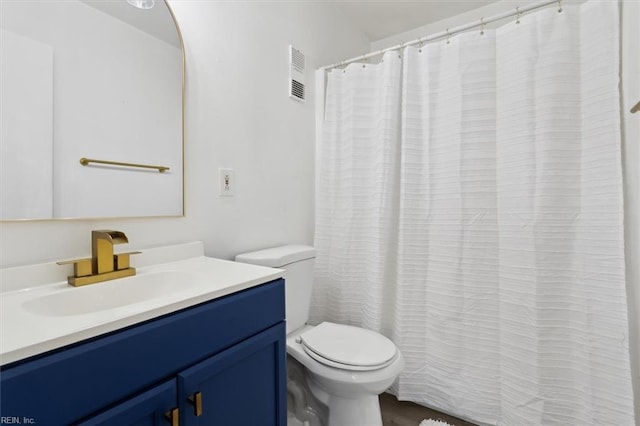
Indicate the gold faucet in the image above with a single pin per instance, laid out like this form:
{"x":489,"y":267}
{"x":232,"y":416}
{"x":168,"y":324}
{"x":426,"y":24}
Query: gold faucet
{"x":103,"y":265}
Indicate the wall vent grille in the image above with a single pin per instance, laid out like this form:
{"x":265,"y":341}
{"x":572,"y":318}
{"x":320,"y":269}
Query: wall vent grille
{"x":297,"y":59}
{"x":297,"y":89}
{"x":297,"y":64}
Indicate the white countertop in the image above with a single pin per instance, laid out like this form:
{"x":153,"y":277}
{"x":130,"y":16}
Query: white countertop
{"x":25,"y":332}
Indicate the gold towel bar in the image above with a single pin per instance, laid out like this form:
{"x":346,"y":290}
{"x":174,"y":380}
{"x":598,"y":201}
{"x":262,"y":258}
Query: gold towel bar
{"x":636,"y":108}
{"x":86,"y":161}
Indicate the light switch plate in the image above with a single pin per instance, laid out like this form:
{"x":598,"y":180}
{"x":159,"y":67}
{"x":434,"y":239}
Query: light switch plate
{"x":226,"y":182}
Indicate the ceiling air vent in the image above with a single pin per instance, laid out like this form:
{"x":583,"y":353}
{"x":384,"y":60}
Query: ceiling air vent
{"x":297,"y":89}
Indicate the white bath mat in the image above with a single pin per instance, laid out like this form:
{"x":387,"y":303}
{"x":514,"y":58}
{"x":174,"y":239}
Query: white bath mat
{"x":432,"y":422}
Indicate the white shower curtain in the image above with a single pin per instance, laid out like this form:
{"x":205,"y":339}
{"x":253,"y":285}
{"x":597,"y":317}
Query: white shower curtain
{"x":469,"y":207}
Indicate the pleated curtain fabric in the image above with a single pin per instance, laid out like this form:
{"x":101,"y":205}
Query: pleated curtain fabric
{"x":448,"y":316}
{"x":469,"y":207}
{"x":356,"y":209}
{"x":561,"y":247}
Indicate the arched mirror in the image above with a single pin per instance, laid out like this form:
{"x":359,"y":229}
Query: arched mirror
{"x":99,"y":80}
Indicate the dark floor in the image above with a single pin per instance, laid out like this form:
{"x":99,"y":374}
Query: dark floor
{"x":404,"y":413}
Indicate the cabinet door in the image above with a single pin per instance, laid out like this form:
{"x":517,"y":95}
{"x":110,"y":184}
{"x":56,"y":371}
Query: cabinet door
{"x":145,"y":409}
{"x":244,"y":385}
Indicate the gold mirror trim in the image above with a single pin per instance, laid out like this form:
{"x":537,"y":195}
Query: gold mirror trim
{"x":184,"y":213}
{"x":184,"y":87}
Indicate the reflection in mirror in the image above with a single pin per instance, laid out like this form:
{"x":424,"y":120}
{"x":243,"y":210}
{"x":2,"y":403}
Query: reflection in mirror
{"x":99,"y":79}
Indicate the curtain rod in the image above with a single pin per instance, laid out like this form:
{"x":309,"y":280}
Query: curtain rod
{"x":449,"y":32}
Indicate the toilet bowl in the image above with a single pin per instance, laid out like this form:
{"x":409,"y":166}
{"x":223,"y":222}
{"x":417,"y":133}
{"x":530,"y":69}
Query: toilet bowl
{"x":345,"y":367}
{"x":349,"y":389}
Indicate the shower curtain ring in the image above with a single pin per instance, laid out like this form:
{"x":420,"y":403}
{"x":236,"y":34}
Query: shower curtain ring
{"x":482,"y":24}
{"x":421,"y":43}
{"x":559,"y":6}
{"x":518,"y":15}
{"x":448,"y":36}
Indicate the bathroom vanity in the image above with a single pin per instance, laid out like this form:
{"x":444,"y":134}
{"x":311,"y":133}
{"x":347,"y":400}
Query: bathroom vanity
{"x":212,"y":353}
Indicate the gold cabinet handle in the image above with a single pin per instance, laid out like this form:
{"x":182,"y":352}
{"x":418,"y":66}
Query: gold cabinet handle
{"x":196,"y":400}
{"x":172,"y":416}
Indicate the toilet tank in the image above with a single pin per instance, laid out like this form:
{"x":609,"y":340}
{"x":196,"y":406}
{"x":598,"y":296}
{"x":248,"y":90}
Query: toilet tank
{"x":297,"y":261}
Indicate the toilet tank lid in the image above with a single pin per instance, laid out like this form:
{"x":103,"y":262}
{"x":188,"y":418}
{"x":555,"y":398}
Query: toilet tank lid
{"x":278,"y":257}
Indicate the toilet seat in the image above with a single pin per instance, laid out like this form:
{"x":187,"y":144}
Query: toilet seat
{"x":348,"y":348}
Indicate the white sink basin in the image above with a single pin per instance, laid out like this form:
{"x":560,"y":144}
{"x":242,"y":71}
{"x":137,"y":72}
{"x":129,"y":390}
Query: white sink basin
{"x":111,"y":294}
{"x":40,"y":312}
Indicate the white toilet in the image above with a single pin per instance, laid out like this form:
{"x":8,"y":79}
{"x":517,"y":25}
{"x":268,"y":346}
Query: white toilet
{"x":345,"y":368}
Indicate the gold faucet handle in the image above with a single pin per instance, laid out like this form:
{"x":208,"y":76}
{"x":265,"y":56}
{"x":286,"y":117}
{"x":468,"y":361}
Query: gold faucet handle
{"x":114,"y":237}
{"x":121,"y":260}
{"x":81,"y":267}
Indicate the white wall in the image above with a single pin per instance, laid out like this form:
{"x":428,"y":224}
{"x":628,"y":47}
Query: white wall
{"x":238,"y":115}
{"x":631,"y":143}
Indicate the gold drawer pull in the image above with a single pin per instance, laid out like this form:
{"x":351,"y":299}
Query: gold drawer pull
{"x":196,"y":400}
{"x":172,"y":416}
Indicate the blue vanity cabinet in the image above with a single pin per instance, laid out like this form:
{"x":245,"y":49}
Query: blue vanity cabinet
{"x":146,"y":409}
{"x":228,"y":353}
{"x":236,"y":387}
